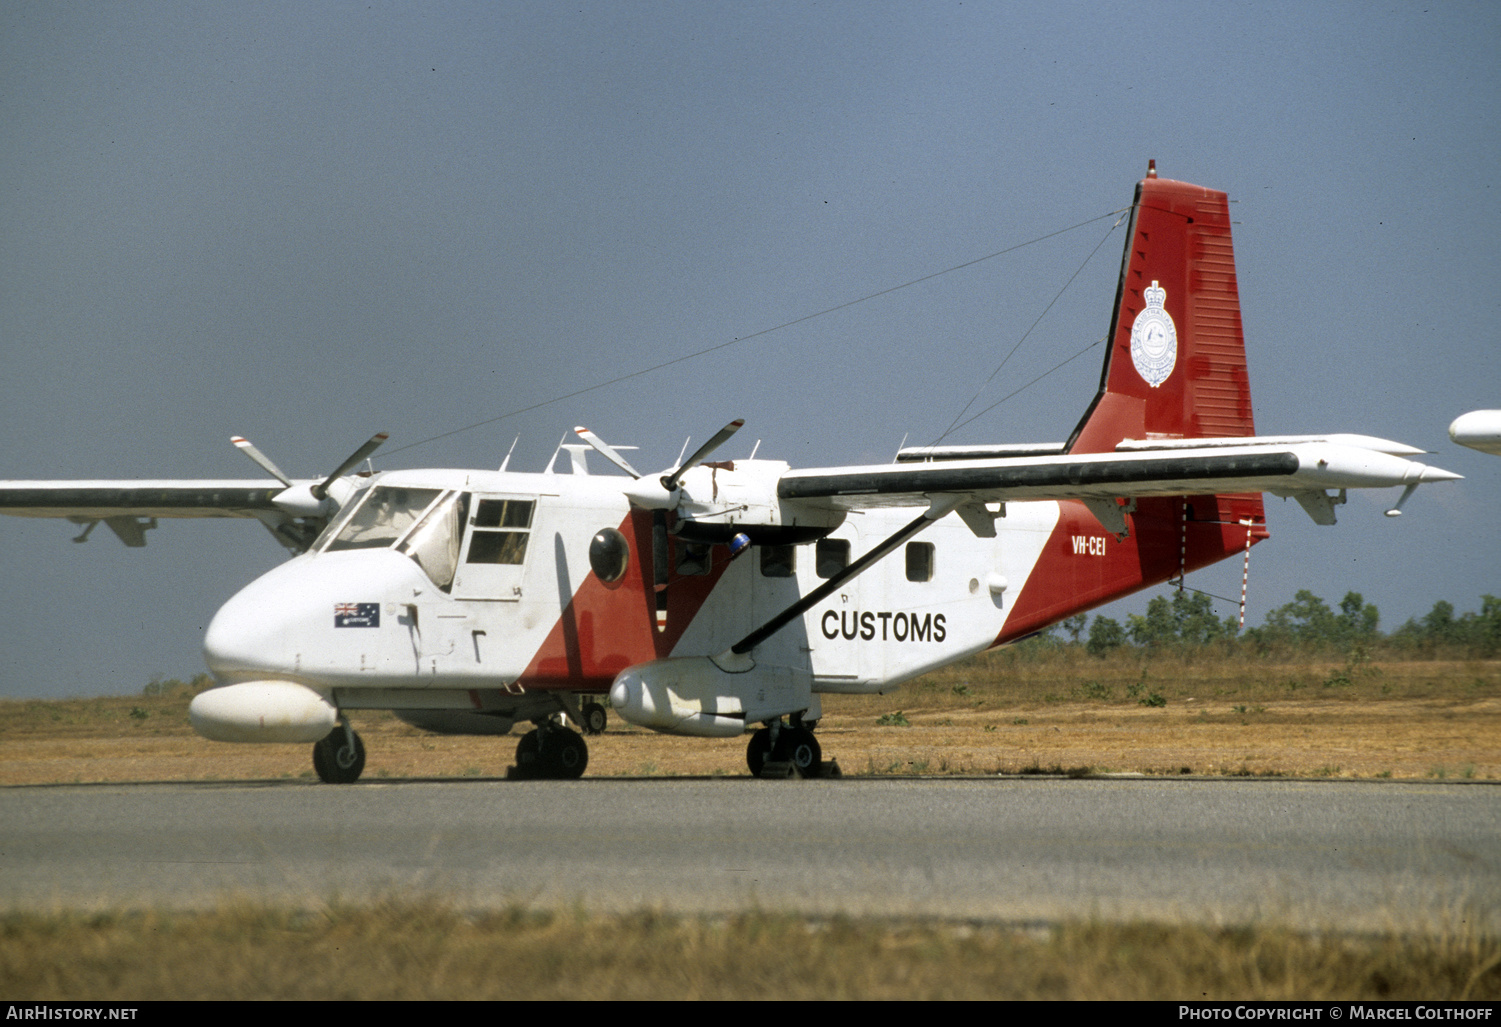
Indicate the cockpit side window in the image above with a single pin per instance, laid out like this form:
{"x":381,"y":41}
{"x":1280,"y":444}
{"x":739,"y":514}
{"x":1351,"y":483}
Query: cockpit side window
{"x":383,"y":516}
{"x":434,"y":543}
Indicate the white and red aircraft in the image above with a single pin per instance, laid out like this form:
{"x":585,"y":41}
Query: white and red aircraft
{"x":716,"y":596}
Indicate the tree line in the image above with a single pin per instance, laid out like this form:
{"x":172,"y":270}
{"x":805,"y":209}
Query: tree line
{"x":1186,"y":619}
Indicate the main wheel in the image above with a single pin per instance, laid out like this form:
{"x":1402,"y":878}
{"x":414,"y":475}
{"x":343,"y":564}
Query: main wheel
{"x":529,"y":755}
{"x":557,"y":752}
{"x":595,"y":718}
{"x":565,"y":754}
{"x":798,"y":747}
{"x":336,"y":761}
{"x":758,"y":751}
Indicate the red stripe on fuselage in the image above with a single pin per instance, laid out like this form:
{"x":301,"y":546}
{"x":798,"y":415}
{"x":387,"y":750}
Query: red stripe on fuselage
{"x":1073,"y":576}
{"x":606,"y":628}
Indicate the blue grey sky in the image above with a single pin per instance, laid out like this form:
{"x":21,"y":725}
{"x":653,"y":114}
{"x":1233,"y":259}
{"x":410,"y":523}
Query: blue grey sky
{"x":307,"y":222}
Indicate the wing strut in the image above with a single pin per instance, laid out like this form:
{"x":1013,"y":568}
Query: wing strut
{"x":938,"y":506}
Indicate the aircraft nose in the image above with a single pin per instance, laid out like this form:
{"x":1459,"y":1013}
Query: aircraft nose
{"x":317,"y":618}
{"x":249,"y":633}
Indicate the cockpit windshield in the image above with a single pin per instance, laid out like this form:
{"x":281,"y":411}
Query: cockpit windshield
{"x":383,"y":516}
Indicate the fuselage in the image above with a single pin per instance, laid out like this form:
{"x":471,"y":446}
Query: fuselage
{"x":464,"y":579}
{"x":482,"y":580}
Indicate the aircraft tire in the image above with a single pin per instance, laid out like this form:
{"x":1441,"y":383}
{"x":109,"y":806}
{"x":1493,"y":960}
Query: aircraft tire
{"x":335,"y":761}
{"x":529,"y":756}
{"x":595,"y":718}
{"x":565,"y":754}
{"x":758,"y":751}
{"x":798,"y":747}
{"x":559,"y":753}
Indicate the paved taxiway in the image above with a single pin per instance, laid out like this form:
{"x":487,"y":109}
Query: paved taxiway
{"x":1358,"y":855}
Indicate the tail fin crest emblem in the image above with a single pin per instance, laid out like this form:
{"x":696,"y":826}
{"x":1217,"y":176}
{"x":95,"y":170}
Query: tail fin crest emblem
{"x":1154,"y":338}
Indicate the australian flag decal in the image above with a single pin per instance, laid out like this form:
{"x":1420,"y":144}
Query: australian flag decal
{"x":357,"y":615}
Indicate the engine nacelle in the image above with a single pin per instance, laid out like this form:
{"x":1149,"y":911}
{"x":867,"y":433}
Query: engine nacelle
{"x":718,"y":501}
{"x":262,"y":711}
{"x":693,"y":696}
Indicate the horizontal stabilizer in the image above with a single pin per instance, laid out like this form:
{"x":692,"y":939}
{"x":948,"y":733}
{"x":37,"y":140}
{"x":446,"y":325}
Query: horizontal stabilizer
{"x":1341,"y":439}
{"x":923,"y":454}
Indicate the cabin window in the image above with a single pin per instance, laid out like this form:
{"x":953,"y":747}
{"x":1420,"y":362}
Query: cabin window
{"x":831,"y":556}
{"x":383,"y":516}
{"x":919,"y":561}
{"x":778,"y":561}
{"x":501,"y":530}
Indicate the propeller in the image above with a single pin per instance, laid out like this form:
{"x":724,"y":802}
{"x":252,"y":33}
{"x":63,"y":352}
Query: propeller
{"x":248,"y":448}
{"x":670,"y":481}
{"x":646,"y":496}
{"x":371,"y":445}
{"x":607,"y":451}
{"x":306,"y":500}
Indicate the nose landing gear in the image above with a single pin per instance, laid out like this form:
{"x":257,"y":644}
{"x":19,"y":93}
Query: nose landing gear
{"x":339,"y":758}
{"x":595,"y":718}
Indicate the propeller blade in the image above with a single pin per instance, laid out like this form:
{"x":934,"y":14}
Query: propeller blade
{"x":248,"y":448}
{"x":320,"y":490}
{"x":670,"y":481}
{"x":606,"y":450}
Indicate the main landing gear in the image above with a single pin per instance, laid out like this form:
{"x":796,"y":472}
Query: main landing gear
{"x":787,"y":750}
{"x":339,"y":758}
{"x":550,"y":752}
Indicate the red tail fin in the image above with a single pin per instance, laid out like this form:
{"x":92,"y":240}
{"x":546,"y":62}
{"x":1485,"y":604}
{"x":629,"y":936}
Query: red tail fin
{"x":1176,"y":367}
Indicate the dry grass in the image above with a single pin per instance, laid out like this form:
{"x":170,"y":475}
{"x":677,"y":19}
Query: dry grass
{"x":427,"y":950}
{"x":997,"y":713}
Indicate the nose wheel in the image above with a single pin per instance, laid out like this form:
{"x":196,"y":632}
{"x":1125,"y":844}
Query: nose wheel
{"x":550,"y":752}
{"x":339,"y":758}
{"x":595,"y":718}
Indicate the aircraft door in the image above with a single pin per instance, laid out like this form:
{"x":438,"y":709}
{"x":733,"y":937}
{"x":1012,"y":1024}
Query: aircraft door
{"x":495,"y":546}
{"x":843,"y":630}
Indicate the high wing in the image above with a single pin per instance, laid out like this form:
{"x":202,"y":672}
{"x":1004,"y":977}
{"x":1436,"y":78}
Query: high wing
{"x":1299,"y":467}
{"x":295,"y":512}
{"x":131,"y":508}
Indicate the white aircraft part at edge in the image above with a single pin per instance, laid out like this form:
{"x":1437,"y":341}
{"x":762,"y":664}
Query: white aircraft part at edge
{"x":1479,"y":429}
